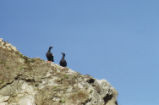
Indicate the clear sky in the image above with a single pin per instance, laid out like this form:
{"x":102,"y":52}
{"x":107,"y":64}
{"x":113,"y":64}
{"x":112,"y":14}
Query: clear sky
{"x":116,"y":40}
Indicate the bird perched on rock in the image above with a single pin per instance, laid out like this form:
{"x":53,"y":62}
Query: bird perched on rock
{"x":63,"y":61}
{"x":49,"y":55}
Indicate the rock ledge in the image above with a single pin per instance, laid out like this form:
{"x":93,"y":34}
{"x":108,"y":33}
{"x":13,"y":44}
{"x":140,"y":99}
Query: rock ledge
{"x":32,"y":81}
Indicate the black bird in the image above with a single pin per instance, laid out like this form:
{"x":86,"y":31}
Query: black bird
{"x":63,"y":61}
{"x":49,"y":55}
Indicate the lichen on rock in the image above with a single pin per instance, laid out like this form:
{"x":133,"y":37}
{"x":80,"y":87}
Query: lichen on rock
{"x":32,"y":81}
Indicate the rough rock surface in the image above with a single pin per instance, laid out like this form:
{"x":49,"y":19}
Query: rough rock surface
{"x":32,"y":81}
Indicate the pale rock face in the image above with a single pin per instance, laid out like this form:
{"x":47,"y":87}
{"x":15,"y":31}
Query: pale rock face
{"x":6,"y":45}
{"x":26,"y":81}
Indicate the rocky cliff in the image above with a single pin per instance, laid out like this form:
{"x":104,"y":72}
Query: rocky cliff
{"x":32,"y":81}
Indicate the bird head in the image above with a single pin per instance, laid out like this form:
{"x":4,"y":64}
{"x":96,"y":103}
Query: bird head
{"x":50,"y":47}
{"x":63,"y":54}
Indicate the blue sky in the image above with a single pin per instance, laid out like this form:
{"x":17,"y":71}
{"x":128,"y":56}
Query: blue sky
{"x":112,"y":39}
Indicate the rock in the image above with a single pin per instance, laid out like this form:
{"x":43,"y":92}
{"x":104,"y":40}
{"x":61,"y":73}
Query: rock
{"x":32,"y":81}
